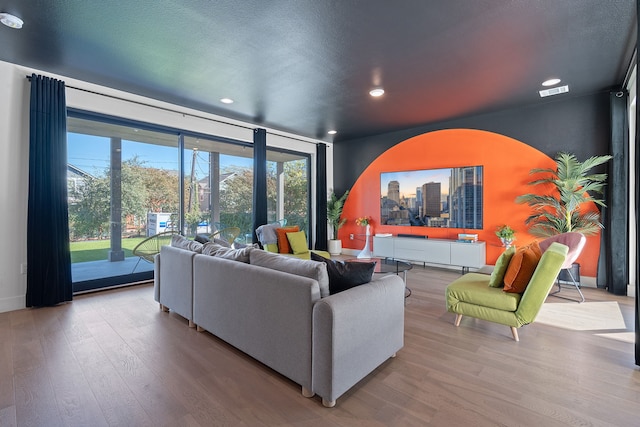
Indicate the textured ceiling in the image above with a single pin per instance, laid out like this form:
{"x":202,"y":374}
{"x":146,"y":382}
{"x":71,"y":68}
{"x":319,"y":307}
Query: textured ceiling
{"x":306,"y":66}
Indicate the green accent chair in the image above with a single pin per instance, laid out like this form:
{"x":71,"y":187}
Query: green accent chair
{"x":471,"y":295}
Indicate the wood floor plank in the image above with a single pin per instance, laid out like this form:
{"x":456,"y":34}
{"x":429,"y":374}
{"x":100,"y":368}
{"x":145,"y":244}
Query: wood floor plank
{"x":113,"y":358}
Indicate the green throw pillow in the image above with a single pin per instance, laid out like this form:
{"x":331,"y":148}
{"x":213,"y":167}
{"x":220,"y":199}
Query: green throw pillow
{"x":298,"y":242}
{"x":497,"y":276}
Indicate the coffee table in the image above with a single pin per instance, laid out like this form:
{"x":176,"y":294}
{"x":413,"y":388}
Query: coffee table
{"x":387,"y":266}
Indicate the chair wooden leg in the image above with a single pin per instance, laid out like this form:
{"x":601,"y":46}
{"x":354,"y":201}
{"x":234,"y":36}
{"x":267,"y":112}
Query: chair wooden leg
{"x":164,"y":308}
{"x":307,"y":393}
{"x":458,"y":319}
{"x":199,"y":328}
{"x":514,"y":332}
{"x":191,"y":324}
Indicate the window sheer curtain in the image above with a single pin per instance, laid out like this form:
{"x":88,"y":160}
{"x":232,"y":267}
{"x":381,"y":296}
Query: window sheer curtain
{"x":48,"y":255}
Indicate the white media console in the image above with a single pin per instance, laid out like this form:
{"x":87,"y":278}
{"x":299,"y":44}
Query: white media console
{"x":432,"y":251}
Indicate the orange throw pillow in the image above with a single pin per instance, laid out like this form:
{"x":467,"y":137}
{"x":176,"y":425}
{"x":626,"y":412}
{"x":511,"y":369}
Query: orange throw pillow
{"x":521,"y":268}
{"x":535,"y":247}
{"x":283,"y":243}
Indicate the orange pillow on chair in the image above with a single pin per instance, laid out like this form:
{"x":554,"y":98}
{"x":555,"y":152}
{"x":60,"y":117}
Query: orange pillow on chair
{"x":283,"y":243}
{"x":521,"y":268}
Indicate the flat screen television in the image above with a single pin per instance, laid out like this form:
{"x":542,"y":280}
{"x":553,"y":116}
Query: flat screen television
{"x":441,"y":198}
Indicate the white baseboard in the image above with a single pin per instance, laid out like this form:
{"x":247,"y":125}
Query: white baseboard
{"x":13,"y":303}
{"x":588,"y":282}
{"x":350,"y":252}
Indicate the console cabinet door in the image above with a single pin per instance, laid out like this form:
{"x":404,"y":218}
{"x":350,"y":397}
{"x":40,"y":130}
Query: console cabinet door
{"x":424,"y":250}
{"x":437,"y":252}
{"x":468,"y":254}
{"x":383,"y":247}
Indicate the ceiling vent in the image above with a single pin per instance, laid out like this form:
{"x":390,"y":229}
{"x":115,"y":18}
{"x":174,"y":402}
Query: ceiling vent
{"x":554,"y":91}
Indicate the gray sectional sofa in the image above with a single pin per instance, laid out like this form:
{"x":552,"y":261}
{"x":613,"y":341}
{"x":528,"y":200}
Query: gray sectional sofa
{"x":278,"y":310}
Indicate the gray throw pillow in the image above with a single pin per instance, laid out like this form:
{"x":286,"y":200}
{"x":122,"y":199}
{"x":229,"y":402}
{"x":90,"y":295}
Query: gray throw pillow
{"x":181,"y":242}
{"x":301,"y":267}
{"x":213,"y":249}
{"x":241,"y":255}
{"x":221,"y":242}
{"x":210,"y":248}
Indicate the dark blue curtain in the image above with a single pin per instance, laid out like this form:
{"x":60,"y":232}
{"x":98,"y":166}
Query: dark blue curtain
{"x":637,"y":179}
{"x":615,"y":215}
{"x":321,"y":197}
{"x":259,"y":179}
{"x":48,"y":256}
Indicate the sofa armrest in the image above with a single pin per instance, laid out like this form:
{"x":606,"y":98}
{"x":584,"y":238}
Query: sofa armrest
{"x":175,"y":272}
{"x":354,"y":332}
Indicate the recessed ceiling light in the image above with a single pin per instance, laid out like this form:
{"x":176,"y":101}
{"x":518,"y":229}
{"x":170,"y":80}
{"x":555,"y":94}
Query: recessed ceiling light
{"x":332,"y":132}
{"x":226,"y":100}
{"x":551,"y":82}
{"x":376,"y":92}
{"x":11,"y":21}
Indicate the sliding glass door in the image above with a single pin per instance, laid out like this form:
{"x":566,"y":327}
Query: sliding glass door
{"x":130,"y":183}
{"x":288,"y":188}
{"x":218,"y":187}
{"x":123,"y":184}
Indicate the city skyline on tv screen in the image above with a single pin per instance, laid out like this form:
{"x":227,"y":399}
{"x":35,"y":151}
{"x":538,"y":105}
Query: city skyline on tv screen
{"x":441,"y":198}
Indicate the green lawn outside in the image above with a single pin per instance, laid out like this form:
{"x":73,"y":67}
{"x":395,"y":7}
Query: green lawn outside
{"x":98,"y":250}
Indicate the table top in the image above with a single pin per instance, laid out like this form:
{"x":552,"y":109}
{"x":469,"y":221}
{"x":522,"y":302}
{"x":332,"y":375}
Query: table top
{"x":386,"y":265}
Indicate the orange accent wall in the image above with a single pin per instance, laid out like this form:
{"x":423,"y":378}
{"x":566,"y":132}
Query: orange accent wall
{"x":506,"y":163}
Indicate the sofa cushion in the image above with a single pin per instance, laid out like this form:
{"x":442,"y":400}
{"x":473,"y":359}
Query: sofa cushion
{"x":221,"y":242}
{"x":181,"y":242}
{"x":346,"y":275}
{"x":307,"y":268}
{"x":283,"y":242}
{"x":213,"y":249}
{"x":210,"y":248}
{"x":521,"y":268}
{"x":298,"y":242}
{"x":497,"y":275}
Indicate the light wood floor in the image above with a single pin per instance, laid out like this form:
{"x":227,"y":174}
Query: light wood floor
{"x":113,"y":358}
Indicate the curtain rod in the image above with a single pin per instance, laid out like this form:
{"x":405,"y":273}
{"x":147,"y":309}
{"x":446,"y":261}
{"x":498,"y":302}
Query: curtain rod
{"x":144,"y":104}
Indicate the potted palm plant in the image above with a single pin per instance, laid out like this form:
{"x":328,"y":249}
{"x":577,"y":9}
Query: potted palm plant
{"x":560,"y":212}
{"x":334,"y":216}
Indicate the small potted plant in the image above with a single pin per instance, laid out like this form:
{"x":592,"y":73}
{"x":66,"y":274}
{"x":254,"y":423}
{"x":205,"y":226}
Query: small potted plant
{"x":506,"y":235}
{"x":334,"y":216}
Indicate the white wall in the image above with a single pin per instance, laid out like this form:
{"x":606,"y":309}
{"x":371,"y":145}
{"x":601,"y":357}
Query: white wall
{"x":14,"y":175}
{"x":14,"y":153}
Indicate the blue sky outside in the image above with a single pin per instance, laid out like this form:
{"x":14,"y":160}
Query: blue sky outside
{"x":91,"y":154}
{"x":410,"y":180}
